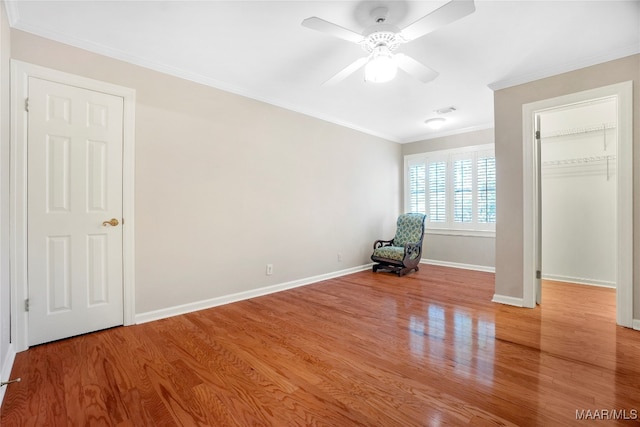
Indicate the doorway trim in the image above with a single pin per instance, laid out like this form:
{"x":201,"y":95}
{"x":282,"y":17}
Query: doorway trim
{"x":20,"y":73}
{"x":623,"y":92}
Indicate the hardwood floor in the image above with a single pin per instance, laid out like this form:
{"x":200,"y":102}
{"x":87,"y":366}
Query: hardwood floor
{"x":362,"y":350}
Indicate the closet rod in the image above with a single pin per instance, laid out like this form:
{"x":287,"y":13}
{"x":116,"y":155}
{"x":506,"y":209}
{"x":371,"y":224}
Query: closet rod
{"x":576,"y":131}
{"x":578,"y":161}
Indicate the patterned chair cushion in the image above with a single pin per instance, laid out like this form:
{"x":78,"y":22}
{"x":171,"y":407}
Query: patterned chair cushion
{"x":390,"y":252}
{"x":410,"y":229}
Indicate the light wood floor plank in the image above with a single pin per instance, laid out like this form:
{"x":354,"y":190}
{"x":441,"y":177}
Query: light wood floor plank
{"x":368,"y":349}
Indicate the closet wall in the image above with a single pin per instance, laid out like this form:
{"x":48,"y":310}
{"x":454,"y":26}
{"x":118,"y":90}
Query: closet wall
{"x":579,"y":193}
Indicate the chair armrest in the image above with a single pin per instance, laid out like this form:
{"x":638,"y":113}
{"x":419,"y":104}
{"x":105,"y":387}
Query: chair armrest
{"x":380,"y":243}
{"x":412,"y":250}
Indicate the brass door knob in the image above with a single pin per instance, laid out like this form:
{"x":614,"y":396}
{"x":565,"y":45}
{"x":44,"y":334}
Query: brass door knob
{"x":113,"y":222}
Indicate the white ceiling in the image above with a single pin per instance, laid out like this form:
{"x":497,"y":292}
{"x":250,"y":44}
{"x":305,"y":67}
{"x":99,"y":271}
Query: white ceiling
{"x":259,"y":49}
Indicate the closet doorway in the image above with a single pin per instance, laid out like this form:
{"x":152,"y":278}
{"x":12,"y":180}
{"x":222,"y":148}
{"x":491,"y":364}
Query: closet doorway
{"x":578,"y":146}
{"x":577,"y":193}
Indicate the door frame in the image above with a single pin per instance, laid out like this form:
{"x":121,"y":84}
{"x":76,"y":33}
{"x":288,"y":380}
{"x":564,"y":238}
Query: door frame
{"x":623,"y":92}
{"x":20,"y":73}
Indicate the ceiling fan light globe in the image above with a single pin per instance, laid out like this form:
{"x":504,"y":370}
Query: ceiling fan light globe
{"x":380,"y":69}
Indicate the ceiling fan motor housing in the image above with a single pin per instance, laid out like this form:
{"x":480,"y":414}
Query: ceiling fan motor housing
{"x":381,"y":35}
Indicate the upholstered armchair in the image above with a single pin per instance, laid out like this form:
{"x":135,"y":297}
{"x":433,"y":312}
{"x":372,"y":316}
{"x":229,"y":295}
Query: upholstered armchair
{"x":403,"y":253}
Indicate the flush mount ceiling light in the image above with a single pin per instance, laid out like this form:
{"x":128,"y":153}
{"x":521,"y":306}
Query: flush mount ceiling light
{"x":435,"y":123}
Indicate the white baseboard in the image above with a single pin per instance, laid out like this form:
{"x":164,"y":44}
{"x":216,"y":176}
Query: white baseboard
{"x":227,"y":299}
{"x":636,"y":324}
{"x":5,"y":373}
{"x":485,"y":268}
{"x":503,"y":299}
{"x":580,"y":280}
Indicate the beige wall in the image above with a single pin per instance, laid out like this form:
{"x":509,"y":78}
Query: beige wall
{"x":466,"y":139}
{"x":226,"y":184}
{"x":508,"y":131}
{"x":468,"y":250}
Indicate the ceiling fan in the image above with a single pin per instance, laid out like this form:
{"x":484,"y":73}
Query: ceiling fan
{"x":380,"y":40}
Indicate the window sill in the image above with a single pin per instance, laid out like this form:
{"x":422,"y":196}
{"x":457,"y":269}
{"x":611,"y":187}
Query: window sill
{"x":465,"y":233}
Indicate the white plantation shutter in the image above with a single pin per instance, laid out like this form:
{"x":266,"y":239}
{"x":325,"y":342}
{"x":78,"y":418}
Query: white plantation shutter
{"x":463,"y":190}
{"x":486,"y":189}
{"x":418,"y":187}
{"x":437,"y":192}
{"x":455,"y":188}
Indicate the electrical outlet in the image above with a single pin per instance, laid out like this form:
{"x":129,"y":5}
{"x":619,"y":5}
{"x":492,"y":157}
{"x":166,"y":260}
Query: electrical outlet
{"x":269,"y":269}
{"x":339,"y":257}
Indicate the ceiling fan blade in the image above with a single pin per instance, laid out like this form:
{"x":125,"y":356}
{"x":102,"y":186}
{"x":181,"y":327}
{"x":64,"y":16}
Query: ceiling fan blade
{"x":346,"y":72}
{"x":440,"y":17}
{"x":414,"y":68}
{"x":321,"y":25}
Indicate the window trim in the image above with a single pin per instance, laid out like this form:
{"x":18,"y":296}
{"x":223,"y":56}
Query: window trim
{"x":461,"y":232}
{"x":449,"y":227}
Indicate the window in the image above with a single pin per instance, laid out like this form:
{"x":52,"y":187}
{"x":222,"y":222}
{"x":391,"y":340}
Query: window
{"x":486,"y":190}
{"x":437,"y":192}
{"x":417,"y":184}
{"x":462,"y":190}
{"x":455,"y":188}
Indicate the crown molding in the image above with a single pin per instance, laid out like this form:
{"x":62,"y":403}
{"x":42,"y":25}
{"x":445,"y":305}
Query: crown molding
{"x":187,"y":75}
{"x":624,"y":51}
{"x":13,"y":16}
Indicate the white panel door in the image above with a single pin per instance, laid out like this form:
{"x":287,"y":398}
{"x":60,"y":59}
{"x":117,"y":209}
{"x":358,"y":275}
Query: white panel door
{"x":74,"y":155}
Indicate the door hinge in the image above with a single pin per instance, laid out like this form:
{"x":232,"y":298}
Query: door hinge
{"x":537,"y":134}
{"x":26,"y":304}
{"x":538,"y":274}
{"x":26,"y":105}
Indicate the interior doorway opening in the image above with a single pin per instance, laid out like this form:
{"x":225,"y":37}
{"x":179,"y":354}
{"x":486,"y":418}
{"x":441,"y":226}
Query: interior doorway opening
{"x":619,"y":170}
{"x":578,"y":163}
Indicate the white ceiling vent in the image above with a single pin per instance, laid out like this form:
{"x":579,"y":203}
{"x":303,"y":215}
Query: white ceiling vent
{"x":445,"y":110}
